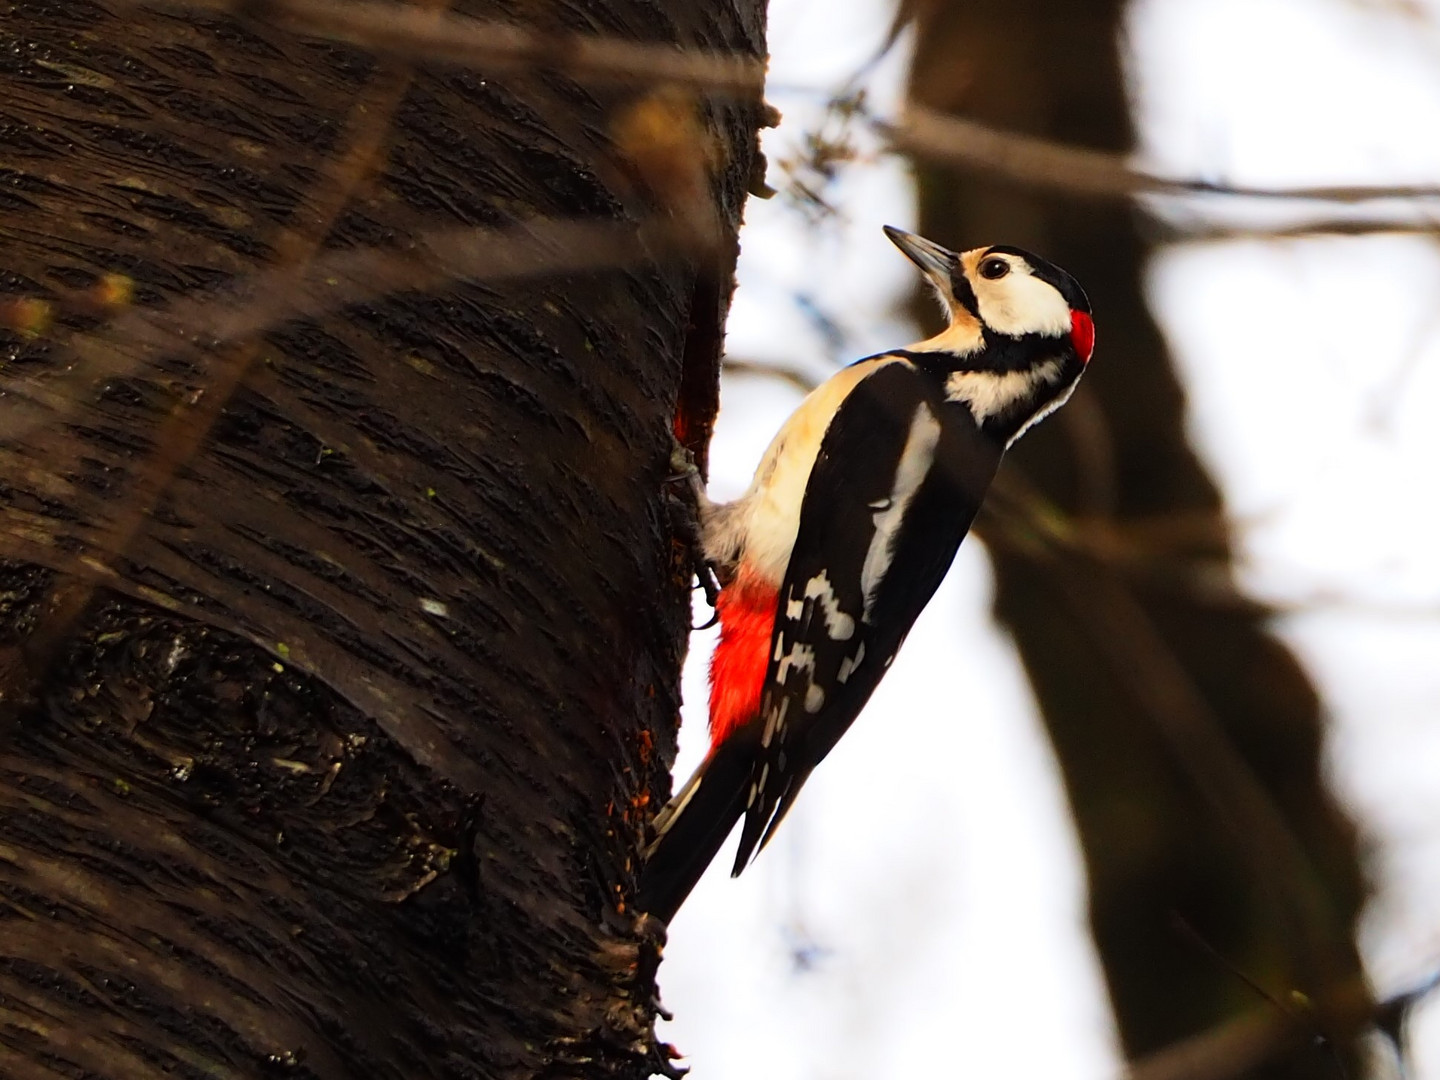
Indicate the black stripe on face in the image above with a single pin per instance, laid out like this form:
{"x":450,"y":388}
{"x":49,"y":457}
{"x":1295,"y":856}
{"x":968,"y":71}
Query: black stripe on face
{"x":1051,"y":274}
{"x":962,"y":292}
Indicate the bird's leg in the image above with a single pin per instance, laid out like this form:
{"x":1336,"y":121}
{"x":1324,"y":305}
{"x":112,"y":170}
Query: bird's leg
{"x":693,"y":503}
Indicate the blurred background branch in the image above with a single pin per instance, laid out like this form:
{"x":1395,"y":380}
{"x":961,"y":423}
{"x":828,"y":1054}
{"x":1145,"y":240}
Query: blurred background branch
{"x":411,"y":33}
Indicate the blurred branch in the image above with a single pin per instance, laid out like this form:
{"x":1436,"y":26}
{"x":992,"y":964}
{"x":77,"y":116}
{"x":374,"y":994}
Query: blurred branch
{"x":434,"y":37}
{"x":336,"y":279}
{"x":1208,"y":233}
{"x":421,"y":36}
{"x":429,"y":261}
{"x":1237,"y":1047}
{"x":792,"y":376}
{"x":1042,"y":163}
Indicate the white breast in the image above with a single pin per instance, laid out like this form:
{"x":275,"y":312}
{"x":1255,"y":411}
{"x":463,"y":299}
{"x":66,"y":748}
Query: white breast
{"x":763,"y":522}
{"x":990,"y":393}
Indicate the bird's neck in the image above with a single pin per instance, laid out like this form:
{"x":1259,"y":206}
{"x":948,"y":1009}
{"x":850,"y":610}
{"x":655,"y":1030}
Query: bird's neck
{"x":1007,"y":385}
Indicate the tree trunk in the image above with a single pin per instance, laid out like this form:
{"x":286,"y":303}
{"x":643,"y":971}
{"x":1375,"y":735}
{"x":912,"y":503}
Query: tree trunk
{"x":1188,"y":736}
{"x":338,"y":663}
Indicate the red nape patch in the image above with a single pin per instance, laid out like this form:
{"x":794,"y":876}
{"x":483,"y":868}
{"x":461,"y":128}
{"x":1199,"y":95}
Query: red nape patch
{"x":1082,"y":333}
{"x":737,"y":670}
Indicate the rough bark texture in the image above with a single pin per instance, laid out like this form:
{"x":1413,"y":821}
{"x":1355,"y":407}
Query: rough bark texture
{"x":1189,"y":737}
{"x":336,"y":769}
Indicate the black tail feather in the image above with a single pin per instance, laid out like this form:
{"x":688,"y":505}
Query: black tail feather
{"x":694,"y":825}
{"x":762,"y":821}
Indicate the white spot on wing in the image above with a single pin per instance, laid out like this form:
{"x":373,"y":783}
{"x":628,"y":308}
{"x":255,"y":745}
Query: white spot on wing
{"x":850,"y":663}
{"x":914,"y":466}
{"x":774,"y":722}
{"x":800,"y":658}
{"x":840,"y":626}
{"x":814,"y":699}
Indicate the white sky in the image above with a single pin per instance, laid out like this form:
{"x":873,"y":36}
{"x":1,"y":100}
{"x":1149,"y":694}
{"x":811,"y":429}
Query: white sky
{"x":925,"y":900}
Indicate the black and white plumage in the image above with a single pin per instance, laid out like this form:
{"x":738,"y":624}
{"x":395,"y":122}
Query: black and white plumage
{"x":853,"y":518}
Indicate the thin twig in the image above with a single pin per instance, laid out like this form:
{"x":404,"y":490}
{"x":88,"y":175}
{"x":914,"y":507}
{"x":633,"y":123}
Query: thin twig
{"x":794,"y":377}
{"x":336,"y":279}
{"x":1043,"y":163}
{"x":956,"y":141}
{"x":417,"y":36}
{"x":1166,"y":232}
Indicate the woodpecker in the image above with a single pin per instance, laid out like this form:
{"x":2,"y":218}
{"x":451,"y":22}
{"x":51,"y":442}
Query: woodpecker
{"x":853,"y":517}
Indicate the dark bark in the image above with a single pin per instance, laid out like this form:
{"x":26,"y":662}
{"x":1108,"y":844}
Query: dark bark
{"x":1189,"y":737}
{"x":339,"y":666}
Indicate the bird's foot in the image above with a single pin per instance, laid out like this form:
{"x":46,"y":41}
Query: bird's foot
{"x":688,"y":509}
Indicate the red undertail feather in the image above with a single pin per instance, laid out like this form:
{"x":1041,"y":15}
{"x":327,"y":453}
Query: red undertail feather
{"x":737,"y":669}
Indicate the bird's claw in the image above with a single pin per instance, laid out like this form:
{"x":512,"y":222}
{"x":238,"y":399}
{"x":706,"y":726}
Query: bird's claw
{"x":684,"y":470}
{"x":682,"y":464}
{"x":707,"y":579}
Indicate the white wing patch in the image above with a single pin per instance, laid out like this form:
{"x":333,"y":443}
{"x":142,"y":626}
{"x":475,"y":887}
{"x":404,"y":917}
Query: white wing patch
{"x":989,"y":393}
{"x":915,"y":461}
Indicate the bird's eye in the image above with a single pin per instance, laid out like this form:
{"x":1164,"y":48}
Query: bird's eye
{"x":993,"y":268}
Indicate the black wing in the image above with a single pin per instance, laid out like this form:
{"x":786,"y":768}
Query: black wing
{"x":895,"y":451}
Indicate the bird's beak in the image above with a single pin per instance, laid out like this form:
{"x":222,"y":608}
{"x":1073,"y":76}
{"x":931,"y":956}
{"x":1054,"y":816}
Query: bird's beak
{"x":935,"y":260}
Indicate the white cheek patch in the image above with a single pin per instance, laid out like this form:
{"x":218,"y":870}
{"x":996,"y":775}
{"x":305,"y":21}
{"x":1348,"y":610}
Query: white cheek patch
{"x":1020,"y":303}
{"x":991,"y":393}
